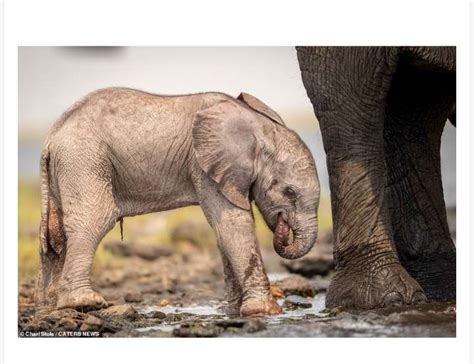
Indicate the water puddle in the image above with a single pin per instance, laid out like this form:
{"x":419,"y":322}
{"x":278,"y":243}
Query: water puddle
{"x":162,"y":327}
{"x":192,"y":310}
{"x":315,"y":311}
{"x":209,"y":313}
{"x":205,"y":313}
{"x":272,"y":277}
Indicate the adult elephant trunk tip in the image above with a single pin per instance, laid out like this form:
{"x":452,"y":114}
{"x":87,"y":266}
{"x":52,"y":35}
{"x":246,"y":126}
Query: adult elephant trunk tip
{"x":300,"y":245}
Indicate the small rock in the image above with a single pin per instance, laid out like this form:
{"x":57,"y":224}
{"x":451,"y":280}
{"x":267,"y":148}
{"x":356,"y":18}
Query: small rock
{"x":157,"y":315}
{"x":57,"y":315}
{"x":37,"y":325}
{"x":133,"y":297}
{"x":332,"y":312}
{"x":42,"y":326}
{"x":295,"y":285}
{"x":164,"y":302}
{"x":294,"y":302}
{"x":198,"y":330}
{"x":91,"y":323}
{"x":277,"y":292}
{"x":234,"y":323}
{"x":119,"y":310}
{"x":68,"y":324}
{"x":254,"y":325}
{"x":174,"y":317}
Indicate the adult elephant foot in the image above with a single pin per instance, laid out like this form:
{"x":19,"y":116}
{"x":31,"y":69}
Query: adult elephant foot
{"x":436,"y":274}
{"x":260,"y":306}
{"x":386,"y":286}
{"x":83,"y":299}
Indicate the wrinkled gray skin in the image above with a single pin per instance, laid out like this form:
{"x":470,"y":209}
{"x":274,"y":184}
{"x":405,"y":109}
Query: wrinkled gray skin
{"x":382,"y":111}
{"x":121,"y":152}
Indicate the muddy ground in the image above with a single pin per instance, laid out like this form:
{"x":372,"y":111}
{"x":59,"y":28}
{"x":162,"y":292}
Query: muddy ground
{"x":180,"y":292}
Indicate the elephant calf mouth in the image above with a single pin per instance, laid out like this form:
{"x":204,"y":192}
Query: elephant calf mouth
{"x":281,"y":233}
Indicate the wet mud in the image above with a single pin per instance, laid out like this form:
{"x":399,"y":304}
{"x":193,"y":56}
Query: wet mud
{"x":181,"y":294}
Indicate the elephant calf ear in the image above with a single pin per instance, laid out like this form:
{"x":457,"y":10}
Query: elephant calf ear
{"x":260,"y":107}
{"x":225,"y":149}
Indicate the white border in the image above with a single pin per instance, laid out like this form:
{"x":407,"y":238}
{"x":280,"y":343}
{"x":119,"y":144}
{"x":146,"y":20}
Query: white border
{"x":245,"y":22}
{"x":2,"y":211}
{"x":471,"y":44}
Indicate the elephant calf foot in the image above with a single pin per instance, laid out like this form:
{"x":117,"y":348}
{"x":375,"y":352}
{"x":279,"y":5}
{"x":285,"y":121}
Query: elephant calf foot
{"x":260,"y":306}
{"x":82,"y":299}
{"x":231,"y":308}
{"x":388,"y":285}
{"x":436,"y":274}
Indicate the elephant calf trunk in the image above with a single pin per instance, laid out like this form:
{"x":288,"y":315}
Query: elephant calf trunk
{"x":300,"y":245}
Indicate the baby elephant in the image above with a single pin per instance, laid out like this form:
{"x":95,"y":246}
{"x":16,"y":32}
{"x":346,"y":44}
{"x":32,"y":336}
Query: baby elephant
{"x":121,"y":152}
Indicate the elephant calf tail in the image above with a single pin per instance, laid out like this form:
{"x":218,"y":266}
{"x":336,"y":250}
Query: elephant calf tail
{"x":52,"y":236}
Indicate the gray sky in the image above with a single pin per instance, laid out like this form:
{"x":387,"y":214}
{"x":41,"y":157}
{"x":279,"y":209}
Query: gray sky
{"x":52,"y":78}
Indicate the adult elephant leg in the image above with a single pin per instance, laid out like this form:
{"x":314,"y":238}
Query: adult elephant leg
{"x":347,"y":87}
{"x":418,"y":105}
{"x":89,"y":212}
{"x":246,"y":281}
{"x":368,"y":272}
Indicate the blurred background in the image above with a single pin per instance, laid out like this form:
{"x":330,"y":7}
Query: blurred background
{"x":52,"y":78}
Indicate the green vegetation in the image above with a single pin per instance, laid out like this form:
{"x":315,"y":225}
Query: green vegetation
{"x":29,"y":212}
{"x":149,"y":229}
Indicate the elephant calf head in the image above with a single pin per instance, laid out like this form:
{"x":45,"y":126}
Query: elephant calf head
{"x":244,"y":146}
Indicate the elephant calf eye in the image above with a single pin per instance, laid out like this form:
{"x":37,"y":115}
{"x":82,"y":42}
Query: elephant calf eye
{"x":290,"y":193}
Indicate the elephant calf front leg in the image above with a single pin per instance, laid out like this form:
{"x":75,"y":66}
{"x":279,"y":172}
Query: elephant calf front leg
{"x":247,"y":283}
{"x":232,"y":288}
{"x":245,"y":272}
{"x":246,"y":280}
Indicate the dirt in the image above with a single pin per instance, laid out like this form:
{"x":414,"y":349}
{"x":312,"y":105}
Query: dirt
{"x":181,"y":294}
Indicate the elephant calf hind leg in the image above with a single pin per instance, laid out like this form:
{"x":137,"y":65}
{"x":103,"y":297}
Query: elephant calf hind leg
{"x":90,"y":213}
{"x":74,"y":288}
{"x":52,"y":254}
